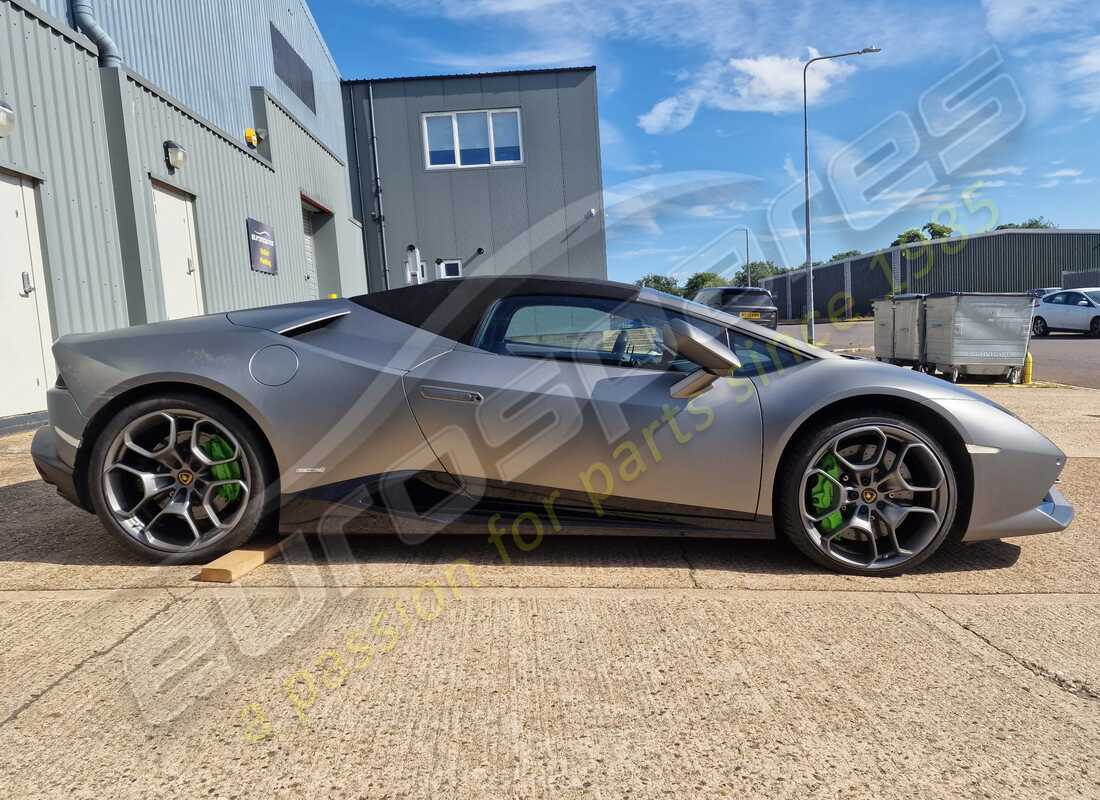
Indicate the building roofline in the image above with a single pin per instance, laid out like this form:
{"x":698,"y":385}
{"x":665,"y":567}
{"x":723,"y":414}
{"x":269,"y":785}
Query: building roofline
{"x":926,"y":242}
{"x":504,"y":73}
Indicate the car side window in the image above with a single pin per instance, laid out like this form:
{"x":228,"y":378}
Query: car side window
{"x":1056,"y":299}
{"x":759,"y":357}
{"x":1073,"y":298}
{"x":589,"y":329}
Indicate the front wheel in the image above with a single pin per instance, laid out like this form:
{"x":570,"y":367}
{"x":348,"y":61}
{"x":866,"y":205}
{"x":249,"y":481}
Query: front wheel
{"x":180,"y":479}
{"x":1039,"y":327}
{"x":1094,"y":328}
{"x":869,"y":496}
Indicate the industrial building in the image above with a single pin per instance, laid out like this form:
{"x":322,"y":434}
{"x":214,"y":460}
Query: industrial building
{"x":1011,"y":260}
{"x":162,"y":160}
{"x":489,"y":174}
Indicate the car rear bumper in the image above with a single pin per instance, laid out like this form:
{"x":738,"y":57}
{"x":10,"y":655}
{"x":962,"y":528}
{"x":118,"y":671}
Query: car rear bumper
{"x":1050,"y":516}
{"x":53,"y":470}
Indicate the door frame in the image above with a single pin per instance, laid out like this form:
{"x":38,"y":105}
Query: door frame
{"x":43,"y":294}
{"x":154,"y":184}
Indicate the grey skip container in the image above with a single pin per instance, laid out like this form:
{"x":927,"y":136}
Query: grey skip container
{"x":908,"y":329}
{"x":884,"y":329}
{"x":977,"y":333}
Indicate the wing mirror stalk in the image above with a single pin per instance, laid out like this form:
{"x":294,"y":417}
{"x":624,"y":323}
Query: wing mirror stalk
{"x":714,"y":359}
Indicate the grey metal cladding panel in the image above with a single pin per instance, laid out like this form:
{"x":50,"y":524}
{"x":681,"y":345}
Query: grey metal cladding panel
{"x":798,"y":295}
{"x":458,"y":94}
{"x":545,"y":178}
{"x":1081,"y":280}
{"x":303,"y":165}
{"x":229,"y":186}
{"x":473,"y":228}
{"x":872,"y":279}
{"x":580,"y":147}
{"x":510,"y":219}
{"x":55,"y":87}
{"x":829,"y":291}
{"x":399,"y":155}
{"x":207,"y":53}
{"x":432,"y":197}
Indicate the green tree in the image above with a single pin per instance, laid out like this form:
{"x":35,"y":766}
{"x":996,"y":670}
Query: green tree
{"x":937,"y":231}
{"x":758,"y":270}
{"x":907,"y":237}
{"x":1031,"y":222}
{"x":701,"y":280}
{"x":662,"y":283}
{"x":845,"y":254}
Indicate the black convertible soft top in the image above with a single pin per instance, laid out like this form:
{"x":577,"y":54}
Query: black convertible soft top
{"x":455,"y":307}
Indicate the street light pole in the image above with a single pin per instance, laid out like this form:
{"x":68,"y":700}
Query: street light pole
{"x":806,"y":163}
{"x":748,"y":274}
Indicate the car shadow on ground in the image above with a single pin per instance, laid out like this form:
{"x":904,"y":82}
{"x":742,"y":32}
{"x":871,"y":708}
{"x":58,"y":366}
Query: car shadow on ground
{"x":38,"y":527}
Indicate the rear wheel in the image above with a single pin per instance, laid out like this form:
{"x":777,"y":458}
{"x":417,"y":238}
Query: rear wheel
{"x":1039,"y":327}
{"x":180,"y":479}
{"x":874,"y":495}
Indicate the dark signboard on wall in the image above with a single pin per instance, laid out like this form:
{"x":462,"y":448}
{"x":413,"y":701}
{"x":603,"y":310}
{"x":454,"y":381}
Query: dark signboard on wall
{"x":261,"y":247}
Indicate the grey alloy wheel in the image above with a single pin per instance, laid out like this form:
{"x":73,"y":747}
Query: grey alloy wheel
{"x":875,"y":498}
{"x":176,"y":480}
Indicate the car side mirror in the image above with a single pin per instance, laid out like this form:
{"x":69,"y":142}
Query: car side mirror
{"x":1084,"y":303}
{"x":714,"y":359}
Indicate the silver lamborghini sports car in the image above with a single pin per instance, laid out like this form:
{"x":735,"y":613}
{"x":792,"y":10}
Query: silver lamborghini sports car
{"x":522,"y":406}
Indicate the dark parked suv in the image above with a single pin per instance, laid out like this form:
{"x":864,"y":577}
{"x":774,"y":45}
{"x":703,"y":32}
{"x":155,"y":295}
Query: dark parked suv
{"x":750,"y":303}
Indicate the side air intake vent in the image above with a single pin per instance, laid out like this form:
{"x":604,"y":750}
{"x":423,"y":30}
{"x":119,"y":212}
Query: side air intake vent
{"x":301,"y":326}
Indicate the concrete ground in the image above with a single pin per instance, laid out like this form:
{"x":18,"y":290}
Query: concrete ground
{"x":588,"y":667}
{"x":1060,"y":358}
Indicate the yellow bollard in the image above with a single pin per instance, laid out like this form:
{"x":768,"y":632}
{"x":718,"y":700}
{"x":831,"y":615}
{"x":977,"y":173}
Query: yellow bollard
{"x":1029,"y":363}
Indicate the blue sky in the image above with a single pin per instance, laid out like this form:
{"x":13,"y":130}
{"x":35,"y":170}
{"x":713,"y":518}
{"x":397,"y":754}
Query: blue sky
{"x":700,"y":111}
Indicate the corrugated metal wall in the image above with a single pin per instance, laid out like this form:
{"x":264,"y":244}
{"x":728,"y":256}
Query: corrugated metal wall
{"x":529,"y":218}
{"x":61,"y":140}
{"x":179,"y":45}
{"x":1009,"y":261}
{"x":229,"y":185}
{"x":1081,"y":280}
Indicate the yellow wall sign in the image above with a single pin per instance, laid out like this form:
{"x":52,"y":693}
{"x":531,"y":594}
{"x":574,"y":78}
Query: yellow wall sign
{"x":261,"y":247}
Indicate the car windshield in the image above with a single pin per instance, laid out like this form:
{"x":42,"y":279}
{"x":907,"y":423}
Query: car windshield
{"x":747,"y":297}
{"x":1094,"y":296}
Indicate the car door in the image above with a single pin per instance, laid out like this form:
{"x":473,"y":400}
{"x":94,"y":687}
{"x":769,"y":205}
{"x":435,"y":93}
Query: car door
{"x":1078,"y":311}
{"x":1053,"y":310}
{"x":570,"y":398}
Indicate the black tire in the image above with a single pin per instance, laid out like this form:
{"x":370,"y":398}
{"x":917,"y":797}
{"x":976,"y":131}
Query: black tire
{"x":258,"y":512}
{"x":795,"y":462}
{"x":1039,"y":327}
{"x":1094,"y":328}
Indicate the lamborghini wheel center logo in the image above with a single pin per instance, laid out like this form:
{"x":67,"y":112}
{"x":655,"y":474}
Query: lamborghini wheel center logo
{"x":869,"y":496}
{"x":185,"y":478}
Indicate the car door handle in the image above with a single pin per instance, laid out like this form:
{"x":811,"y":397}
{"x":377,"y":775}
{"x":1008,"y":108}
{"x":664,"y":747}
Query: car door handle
{"x":28,"y":285}
{"x":454,"y":395}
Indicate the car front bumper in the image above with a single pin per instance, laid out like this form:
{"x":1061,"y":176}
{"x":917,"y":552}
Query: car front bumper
{"x":52,"y":468}
{"x":1050,"y":516}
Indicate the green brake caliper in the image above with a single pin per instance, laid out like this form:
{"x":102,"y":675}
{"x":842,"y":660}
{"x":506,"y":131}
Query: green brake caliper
{"x":823,"y":494}
{"x":217,"y":448}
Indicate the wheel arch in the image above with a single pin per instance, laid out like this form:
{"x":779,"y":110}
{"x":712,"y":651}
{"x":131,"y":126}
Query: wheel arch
{"x":99,"y":419}
{"x":939,"y":425}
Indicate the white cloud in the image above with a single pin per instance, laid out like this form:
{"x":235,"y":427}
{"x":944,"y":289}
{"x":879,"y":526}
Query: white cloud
{"x":770,"y":83}
{"x":1048,"y":184}
{"x":1063,"y":173}
{"x":988,"y":184}
{"x":1080,"y":181}
{"x":1012,"y":20}
{"x":994,"y":171}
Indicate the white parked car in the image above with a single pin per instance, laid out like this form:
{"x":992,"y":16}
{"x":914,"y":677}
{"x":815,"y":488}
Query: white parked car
{"x":1076,"y":310}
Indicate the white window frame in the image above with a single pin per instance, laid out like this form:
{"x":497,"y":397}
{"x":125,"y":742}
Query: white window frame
{"x":441,"y":269}
{"x":488,"y":112}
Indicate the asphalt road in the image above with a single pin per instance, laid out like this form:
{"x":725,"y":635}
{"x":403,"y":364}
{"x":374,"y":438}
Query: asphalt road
{"x":1059,"y":358}
{"x":588,"y":667}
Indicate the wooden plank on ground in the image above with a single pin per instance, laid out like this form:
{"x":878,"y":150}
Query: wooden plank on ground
{"x":235,"y":564}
